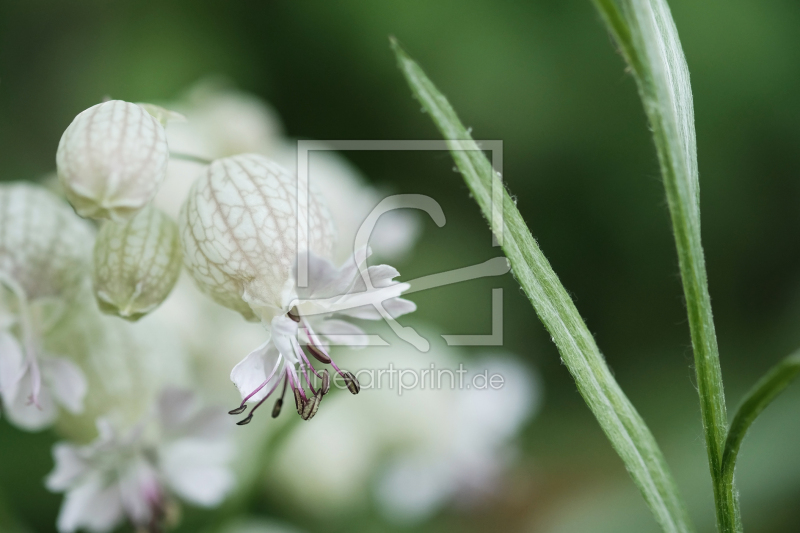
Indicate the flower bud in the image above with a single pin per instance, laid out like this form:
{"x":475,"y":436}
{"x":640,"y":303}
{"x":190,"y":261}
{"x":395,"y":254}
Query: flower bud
{"x":136,"y":263}
{"x":239,"y":229}
{"x":112,"y":159}
{"x":44,"y":248}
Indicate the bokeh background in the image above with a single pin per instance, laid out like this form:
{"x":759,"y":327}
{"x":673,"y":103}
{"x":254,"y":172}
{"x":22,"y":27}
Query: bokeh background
{"x":544,"y":77}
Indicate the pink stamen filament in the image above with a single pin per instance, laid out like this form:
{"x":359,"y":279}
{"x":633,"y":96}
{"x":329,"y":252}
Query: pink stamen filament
{"x":312,"y":340}
{"x":275,"y":386}
{"x":294,"y":382}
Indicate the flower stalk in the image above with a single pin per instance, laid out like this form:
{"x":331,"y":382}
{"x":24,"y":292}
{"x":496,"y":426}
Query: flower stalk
{"x":647,"y":37}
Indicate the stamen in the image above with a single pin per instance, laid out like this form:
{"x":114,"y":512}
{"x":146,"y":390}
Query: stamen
{"x":249,"y":417}
{"x":243,"y":406}
{"x":352,"y":383}
{"x":314,"y":346}
{"x":318,"y":354}
{"x":311,"y":407}
{"x":301,"y":357}
{"x":326,"y":382}
{"x":299,"y":402}
{"x":277,"y":409}
{"x":294,"y":314}
{"x":245,"y":421}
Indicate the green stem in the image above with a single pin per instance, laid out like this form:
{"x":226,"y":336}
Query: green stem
{"x":647,"y":37}
{"x":620,"y":421}
{"x":756,"y":400}
{"x":190,"y":158}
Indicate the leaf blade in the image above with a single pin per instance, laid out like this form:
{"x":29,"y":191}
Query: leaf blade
{"x":626,"y":430}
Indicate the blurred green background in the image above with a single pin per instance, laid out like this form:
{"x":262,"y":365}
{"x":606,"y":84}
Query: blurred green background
{"x":544,"y":77}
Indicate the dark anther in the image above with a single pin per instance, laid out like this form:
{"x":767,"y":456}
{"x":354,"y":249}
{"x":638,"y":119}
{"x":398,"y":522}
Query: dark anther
{"x":239,"y":410}
{"x":277,"y":409}
{"x":298,"y":401}
{"x":318,"y":354}
{"x":311,"y":407}
{"x":245,"y":421}
{"x":352,"y":383}
{"x":326,"y":382}
{"x":293,"y":314}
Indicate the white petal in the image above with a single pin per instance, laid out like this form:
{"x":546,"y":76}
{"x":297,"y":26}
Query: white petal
{"x":382,"y":275}
{"x":69,"y":467}
{"x":343,"y":333}
{"x":347,"y":275}
{"x":92,"y":506}
{"x":321,"y":273}
{"x":66,"y":382}
{"x":395,"y":307}
{"x":196,"y":471}
{"x":176,"y":407}
{"x":251,"y":371}
{"x":12,"y":366}
{"x":139,"y":491}
{"x":181,"y":416}
{"x":26,"y":415}
{"x":283,"y":330}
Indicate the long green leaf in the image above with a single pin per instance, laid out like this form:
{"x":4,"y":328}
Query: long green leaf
{"x":624,"y":427}
{"x":755,"y":401}
{"x":648,"y":39}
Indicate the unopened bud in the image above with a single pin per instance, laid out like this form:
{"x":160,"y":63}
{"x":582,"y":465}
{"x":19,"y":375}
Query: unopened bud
{"x":352,"y":383}
{"x":44,"y":247}
{"x":136,"y":263}
{"x":276,"y":410}
{"x":112,"y":159}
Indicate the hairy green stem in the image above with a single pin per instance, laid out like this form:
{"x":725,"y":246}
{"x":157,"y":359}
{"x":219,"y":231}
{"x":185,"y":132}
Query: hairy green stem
{"x":648,"y":39}
{"x":755,"y":401}
{"x":620,"y":421}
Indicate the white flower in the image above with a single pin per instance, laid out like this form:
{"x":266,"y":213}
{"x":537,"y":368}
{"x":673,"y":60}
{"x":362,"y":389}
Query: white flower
{"x":416,"y":452}
{"x":183,"y":451}
{"x":44,"y":261}
{"x":31,"y":388}
{"x":351,"y":199}
{"x":239,"y":228}
{"x":126,"y":364}
{"x":111,"y":160}
{"x":222,"y":121}
{"x":307,"y":325}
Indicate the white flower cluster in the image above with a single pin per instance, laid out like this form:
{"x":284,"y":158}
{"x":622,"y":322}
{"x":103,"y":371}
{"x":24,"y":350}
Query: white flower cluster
{"x":137,"y":441}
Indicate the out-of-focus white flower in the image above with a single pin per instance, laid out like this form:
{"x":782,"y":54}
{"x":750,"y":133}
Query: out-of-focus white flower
{"x":182,"y":450}
{"x":136,"y":263}
{"x":111,"y":160}
{"x":308,"y":320}
{"x":59,"y":382}
{"x":222,"y":122}
{"x":239,"y":228}
{"x":351,"y":199}
{"x":127,"y":365}
{"x":257,"y":525}
{"x":413,"y":452}
{"x":44,"y":262}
